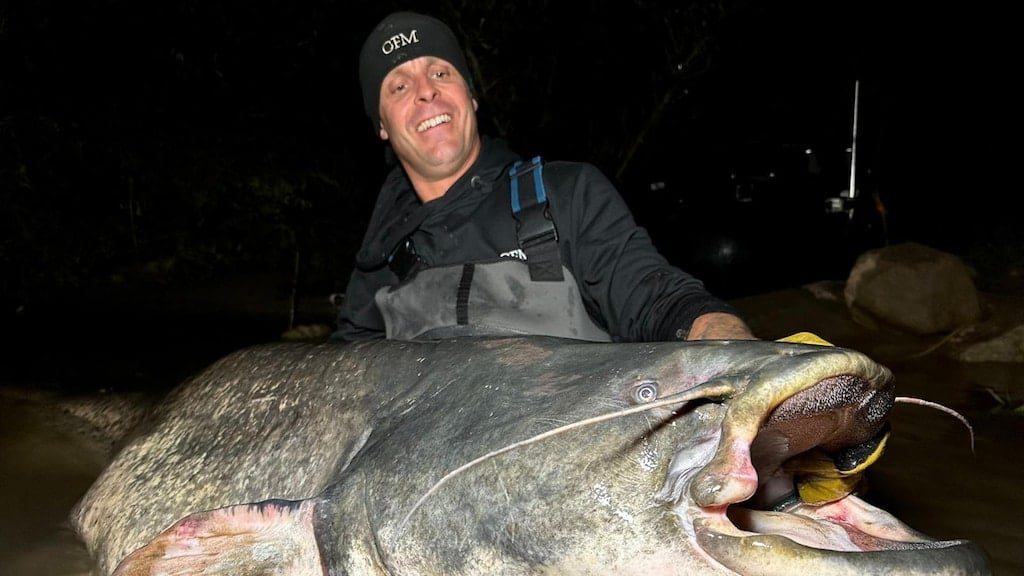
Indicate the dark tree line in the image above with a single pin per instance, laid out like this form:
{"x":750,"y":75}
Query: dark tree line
{"x":180,"y":140}
{"x":200,"y":137}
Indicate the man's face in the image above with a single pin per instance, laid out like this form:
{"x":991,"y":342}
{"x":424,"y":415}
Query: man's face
{"x":429,"y":115}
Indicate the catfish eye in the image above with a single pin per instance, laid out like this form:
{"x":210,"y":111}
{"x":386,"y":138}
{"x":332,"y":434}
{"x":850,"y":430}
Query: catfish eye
{"x":644,"y":391}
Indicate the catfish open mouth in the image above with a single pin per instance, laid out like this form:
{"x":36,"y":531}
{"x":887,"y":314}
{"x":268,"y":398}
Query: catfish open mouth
{"x":780,"y":496}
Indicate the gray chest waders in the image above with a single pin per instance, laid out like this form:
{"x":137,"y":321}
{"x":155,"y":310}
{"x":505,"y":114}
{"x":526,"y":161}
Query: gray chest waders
{"x":497,"y":298}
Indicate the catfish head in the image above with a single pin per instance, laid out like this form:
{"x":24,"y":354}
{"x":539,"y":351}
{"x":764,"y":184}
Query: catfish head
{"x":726,"y":457}
{"x":774,"y":487}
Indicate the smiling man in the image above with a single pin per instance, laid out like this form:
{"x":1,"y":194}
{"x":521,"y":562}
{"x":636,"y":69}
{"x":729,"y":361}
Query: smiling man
{"x":466,"y":238}
{"x":429,"y":116}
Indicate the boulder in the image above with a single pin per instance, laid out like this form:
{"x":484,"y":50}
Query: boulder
{"x":1006,"y":347}
{"x":913,"y":287}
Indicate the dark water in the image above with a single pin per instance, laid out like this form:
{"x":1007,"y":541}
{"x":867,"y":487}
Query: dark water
{"x":929,"y":476}
{"x":43,"y":471}
{"x":931,"y":479}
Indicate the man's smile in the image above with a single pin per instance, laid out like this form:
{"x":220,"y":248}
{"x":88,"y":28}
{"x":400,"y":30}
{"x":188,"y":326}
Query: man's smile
{"x":432,"y":122}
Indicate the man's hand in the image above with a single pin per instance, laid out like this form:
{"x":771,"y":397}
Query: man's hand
{"x":719,"y":326}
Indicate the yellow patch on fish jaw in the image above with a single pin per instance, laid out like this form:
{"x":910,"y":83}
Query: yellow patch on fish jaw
{"x":805,"y":338}
{"x":819,"y":480}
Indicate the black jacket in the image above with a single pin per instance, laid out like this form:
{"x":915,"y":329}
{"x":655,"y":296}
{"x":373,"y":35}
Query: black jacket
{"x":627,"y":286}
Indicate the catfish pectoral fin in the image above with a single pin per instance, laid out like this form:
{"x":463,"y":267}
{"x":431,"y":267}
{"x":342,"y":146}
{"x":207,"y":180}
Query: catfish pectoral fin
{"x":271,"y":537}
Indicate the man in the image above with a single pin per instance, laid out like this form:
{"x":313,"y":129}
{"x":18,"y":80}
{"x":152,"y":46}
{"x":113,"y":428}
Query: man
{"x":466,"y":239}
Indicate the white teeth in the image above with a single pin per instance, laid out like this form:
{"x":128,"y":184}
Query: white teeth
{"x":426,"y":124}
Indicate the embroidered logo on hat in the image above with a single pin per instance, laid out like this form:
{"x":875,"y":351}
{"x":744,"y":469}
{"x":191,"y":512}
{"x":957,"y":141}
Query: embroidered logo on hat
{"x":399,"y":41}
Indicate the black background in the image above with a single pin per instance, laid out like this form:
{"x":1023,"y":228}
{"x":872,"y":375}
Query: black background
{"x":177,"y":142}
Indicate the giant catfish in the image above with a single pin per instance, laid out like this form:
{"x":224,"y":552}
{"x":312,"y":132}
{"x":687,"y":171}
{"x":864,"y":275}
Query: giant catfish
{"x":524,"y":455}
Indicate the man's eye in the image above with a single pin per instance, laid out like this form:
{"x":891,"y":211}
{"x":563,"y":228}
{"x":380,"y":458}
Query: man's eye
{"x":399,"y":88}
{"x":442,"y":74}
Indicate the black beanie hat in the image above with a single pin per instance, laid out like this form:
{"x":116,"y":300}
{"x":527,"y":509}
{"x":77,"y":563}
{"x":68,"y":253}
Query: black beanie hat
{"x":400,"y":37}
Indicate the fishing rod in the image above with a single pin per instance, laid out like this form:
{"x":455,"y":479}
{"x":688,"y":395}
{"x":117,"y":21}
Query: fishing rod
{"x":853,"y":147}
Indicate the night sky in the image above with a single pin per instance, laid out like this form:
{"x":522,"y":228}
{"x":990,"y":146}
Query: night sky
{"x":228,"y":134}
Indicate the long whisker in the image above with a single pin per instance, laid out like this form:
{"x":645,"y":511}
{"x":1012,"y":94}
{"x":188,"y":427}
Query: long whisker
{"x":941,"y":408}
{"x":714,"y":389}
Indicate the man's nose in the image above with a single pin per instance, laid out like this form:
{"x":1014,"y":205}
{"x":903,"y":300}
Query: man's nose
{"x":425,"y":90}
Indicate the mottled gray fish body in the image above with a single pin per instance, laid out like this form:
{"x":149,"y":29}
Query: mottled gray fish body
{"x":438,"y":458}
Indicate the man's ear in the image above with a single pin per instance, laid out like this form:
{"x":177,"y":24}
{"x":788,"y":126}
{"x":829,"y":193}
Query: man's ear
{"x":476,"y":105}
{"x":383,"y":133}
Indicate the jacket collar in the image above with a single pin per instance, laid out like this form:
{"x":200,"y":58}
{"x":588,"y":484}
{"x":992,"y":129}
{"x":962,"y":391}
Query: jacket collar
{"x":398,"y":211}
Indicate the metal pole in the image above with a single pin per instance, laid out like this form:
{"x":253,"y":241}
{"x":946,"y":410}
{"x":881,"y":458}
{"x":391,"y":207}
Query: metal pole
{"x":853,"y":145}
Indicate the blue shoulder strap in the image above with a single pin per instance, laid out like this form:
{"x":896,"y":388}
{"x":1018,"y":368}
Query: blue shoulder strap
{"x":535,"y":228}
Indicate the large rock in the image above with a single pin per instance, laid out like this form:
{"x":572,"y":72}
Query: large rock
{"x":1006,"y":347}
{"x":915,"y":288}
